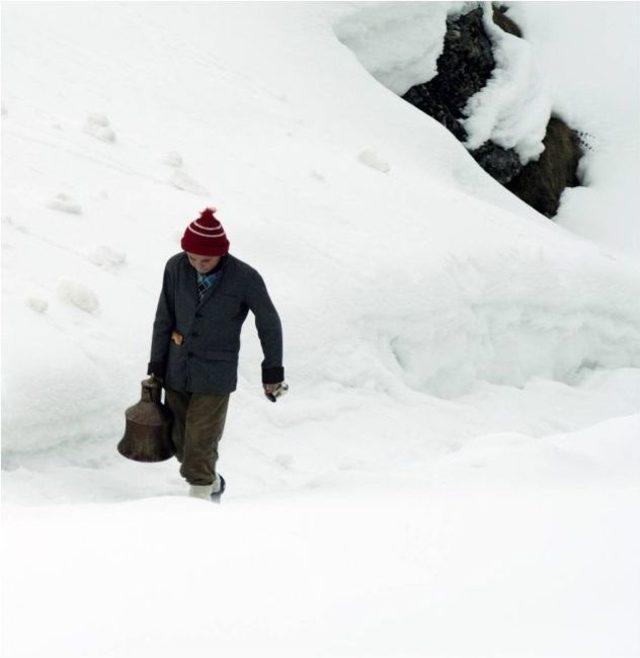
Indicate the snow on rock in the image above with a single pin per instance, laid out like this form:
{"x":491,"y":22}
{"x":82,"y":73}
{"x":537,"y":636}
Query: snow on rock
{"x":107,"y":257}
{"x":594,"y":79}
{"x":514,"y":107}
{"x":370,"y":158}
{"x":98,"y":126}
{"x":64,"y":203}
{"x":77,"y":294}
{"x":398,"y":43}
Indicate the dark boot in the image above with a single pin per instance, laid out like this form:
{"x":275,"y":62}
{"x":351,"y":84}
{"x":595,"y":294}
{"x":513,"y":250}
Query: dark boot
{"x":216,"y":495}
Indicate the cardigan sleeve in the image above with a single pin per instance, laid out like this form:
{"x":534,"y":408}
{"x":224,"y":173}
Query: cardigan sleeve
{"x":269,"y":329}
{"x":162,"y":326}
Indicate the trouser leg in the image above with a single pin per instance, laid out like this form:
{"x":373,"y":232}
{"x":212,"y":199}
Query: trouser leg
{"x":178,"y":403}
{"x":205,"y":420}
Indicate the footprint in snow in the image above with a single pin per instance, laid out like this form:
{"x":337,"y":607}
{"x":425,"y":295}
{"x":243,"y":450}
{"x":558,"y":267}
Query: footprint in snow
{"x":78,"y":295}
{"x":9,"y":221}
{"x":173,"y":159}
{"x":64,"y":203}
{"x":286,"y":461}
{"x":107,"y":258}
{"x":184,"y":182}
{"x":98,"y":126}
{"x":36,"y":304}
{"x":371,"y":159}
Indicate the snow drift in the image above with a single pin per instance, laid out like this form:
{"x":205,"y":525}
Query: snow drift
{"x":459,"y":444}
{"x":428,"y":274}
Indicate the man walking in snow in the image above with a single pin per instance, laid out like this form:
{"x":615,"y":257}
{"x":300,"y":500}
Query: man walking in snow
{"x":205,"y":298}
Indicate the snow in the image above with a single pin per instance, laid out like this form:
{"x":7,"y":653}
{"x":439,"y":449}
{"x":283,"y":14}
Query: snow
{"x":514,"y":107}
{"x":98,"y":126}
{"x":398,"y":44}
{"x":594,"y":80}
{"x":569,"y":65}
{"x":455,"y":468}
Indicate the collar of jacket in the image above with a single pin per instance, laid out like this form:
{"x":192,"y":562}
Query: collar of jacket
{"x":218,"y":267}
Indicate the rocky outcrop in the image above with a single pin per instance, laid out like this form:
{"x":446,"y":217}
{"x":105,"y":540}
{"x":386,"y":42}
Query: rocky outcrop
{"x":540,"y":183}
{"x":463,"y":70}
{"x":464,"y":67}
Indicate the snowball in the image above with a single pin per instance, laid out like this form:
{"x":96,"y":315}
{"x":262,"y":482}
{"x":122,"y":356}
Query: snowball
{"x":77,"y":294}
{"x":64,"y":203}
{"x":370,"y":158}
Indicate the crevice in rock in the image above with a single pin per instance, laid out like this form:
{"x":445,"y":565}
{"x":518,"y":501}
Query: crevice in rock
{"x":464,"y":67}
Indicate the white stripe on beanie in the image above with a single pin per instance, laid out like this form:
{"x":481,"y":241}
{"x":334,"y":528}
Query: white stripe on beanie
{"x":206,"y":235}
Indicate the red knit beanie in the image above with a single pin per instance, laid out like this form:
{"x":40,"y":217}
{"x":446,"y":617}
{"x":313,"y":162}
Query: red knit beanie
{"x":205,"y":236}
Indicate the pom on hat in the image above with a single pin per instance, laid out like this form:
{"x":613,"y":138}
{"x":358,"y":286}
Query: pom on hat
{"x":205,"y":236}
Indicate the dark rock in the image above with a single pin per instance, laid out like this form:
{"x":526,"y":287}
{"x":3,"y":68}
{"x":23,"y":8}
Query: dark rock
{"x":503,"y":164}
{"x":464,"y":67}
{"x":540,"y":183}
{"x":503,"y":21}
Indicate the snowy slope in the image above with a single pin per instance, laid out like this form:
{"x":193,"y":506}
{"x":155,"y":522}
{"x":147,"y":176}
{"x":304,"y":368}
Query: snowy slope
{"x":439,"y":335}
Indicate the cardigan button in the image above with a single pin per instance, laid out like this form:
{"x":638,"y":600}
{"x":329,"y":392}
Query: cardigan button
{"x":189,"y":353}
{"x":194,"y":334}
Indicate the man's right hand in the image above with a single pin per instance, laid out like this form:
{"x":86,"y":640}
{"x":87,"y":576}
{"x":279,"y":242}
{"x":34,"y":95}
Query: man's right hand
{"x":157,"y":368}
{"x":154,"y":380}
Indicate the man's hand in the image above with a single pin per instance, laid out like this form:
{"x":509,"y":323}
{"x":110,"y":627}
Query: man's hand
{"x":156,"y":379}
{"x":274,"y":391}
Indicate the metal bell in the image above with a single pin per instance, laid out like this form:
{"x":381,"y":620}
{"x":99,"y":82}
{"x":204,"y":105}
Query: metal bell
{"x":147,"y":435}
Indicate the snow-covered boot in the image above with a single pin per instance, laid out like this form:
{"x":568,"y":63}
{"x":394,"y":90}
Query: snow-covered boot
{"x":200,"y":490}
{"x":218,"y":488}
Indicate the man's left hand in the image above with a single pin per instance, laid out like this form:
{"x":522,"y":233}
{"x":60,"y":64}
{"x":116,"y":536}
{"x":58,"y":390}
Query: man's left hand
{"x":274,"y":391}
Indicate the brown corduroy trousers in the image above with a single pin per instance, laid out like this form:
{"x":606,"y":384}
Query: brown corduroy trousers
{"x":198,"y":423}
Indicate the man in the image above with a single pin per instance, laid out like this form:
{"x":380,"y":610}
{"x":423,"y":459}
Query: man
{"x":206,"y":296}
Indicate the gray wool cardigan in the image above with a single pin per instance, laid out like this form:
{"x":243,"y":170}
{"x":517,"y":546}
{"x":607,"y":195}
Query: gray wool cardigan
{"x":207,"y":359}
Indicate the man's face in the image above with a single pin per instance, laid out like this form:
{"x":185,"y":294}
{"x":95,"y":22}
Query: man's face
{"x":203,"y":263}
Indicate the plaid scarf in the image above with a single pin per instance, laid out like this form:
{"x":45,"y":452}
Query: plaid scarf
{"x":205,"y":281}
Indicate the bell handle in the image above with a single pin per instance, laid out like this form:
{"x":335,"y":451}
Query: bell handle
{"x":151,"y":389}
